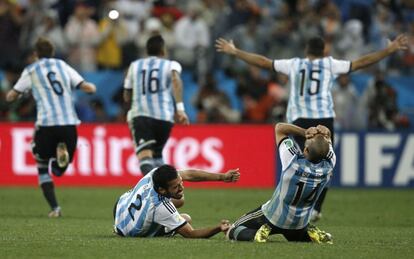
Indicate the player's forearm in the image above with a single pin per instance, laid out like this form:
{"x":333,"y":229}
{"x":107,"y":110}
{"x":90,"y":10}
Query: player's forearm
{"x":253,"y":59}
{"x":177,"y":87}
{"x":88,"y":87}
{"x":127,"y":96}
{"x":205,"y":232}
{"x":290,"y":129}
{"x":195,"y":175}
{"x":371,"y":58}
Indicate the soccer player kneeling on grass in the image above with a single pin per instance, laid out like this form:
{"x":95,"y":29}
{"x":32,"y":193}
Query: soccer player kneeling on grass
{"x":304,"y":175}
{"x":150,"y":208}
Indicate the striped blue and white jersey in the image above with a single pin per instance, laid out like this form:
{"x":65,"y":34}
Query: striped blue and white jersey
{"x":299,"y":187}
{"x":311,"y":82}
{"x":142,"y":212}
{"x":150,"y":81}
{"x":51,"y":81}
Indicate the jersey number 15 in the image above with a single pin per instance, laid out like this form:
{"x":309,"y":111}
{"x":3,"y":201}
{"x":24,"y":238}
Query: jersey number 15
{"x":314,"y":77}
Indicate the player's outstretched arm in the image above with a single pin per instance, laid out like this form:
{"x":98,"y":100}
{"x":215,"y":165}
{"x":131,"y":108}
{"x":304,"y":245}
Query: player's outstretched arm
{"x":88,"y":87}
{"x":400,"y":43}
{"x":187,"y":230}
{"x":229,"y":48}
{"x":283,"y":130}
{"x":195,"y":175}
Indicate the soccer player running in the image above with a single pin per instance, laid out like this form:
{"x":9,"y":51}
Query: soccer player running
{"x":304,"y":175}
{"x":148,"y":209}
{"x":311,"y":81}
{"x":51,"y":82}
{"x":154,"y":88}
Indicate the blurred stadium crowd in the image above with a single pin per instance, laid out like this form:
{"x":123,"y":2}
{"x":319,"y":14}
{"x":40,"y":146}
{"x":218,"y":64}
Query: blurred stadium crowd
{"x":88,"y":39}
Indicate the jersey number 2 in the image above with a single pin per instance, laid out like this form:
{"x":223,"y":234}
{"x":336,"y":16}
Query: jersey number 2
{"x":299,"y":192}
{"x":135,"y":205}
{"x":311,"y":91}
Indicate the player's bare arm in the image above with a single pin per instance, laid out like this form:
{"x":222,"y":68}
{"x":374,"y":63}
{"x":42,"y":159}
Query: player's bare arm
{"x":283,"y":130}
{"x":12,"y":95}
{"x":194,"y":175}
{"x":189,"y":232}
{"x":127,"y":95}
{"x":88,"y":87}
{"x":177,"y":88}
{"x":229,"y":48}
{"x":400,"y":43}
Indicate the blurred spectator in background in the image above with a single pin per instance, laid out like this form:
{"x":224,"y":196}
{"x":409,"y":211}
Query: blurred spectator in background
{"x":113,"y":35}
{"x":50,"y":28}
{"x":251,"y":37}
{"x":83,"y":37}
{"x":278,"y":89}
{"x":381,"y":103}
{"x":213,"y":105}
{"x":192,"y":40}
{"x":284,"y":40}
{"x":134,"y":12}
{"x":345,"y":104}
{"x":10,"y":25}
{"x":330,"y":22}
{"x":152,"y":27}
{"x":11,"y":74}
{"x":100,"y":114}
{"x":252,"y":87}
{"x":351,"y":43}
{"x":33,"y":15}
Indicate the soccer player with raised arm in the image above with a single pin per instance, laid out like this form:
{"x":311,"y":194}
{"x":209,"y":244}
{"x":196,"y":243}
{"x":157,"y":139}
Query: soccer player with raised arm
{"x":304,"y":175}
{"x":148,"y":209}
{"x":154,"y":88}
{"x":51,"y":82}
{"x":311,"y":81}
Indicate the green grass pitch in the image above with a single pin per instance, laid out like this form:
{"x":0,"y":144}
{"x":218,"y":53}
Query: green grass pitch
{"x":377,"y":223}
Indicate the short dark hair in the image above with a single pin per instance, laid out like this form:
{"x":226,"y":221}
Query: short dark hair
{"x":318,"y":148}
{"x":155,"y":45}
{"x":44,"y":48}
{"x":315,"y":46}
{"x":163,"y":175}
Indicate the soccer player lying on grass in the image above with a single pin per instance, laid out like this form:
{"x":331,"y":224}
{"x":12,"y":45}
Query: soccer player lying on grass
{"x":149,"y":209}
{"x":304,"y":175}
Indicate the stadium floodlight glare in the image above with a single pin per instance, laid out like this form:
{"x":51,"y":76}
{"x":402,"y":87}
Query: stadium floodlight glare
{"x":113,"y":14}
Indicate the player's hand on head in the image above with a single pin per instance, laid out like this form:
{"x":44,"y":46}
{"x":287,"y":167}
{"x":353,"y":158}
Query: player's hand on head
{"x":225,"y":46}
{"x":311,"y":132}
{"x":224,"y":225}
{"x":232,"y":175}
{"x":323,"y":130}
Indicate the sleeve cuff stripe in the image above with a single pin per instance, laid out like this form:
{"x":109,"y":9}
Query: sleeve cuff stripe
{"x":177,"y":228}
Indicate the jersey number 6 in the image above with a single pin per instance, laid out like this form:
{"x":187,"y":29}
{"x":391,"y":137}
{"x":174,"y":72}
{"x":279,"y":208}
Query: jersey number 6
{"x":56,"y":85}
{"x":153,"y":82}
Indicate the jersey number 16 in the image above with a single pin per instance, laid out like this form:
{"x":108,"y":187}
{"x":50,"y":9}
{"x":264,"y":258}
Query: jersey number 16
{"x":153,"y":83}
